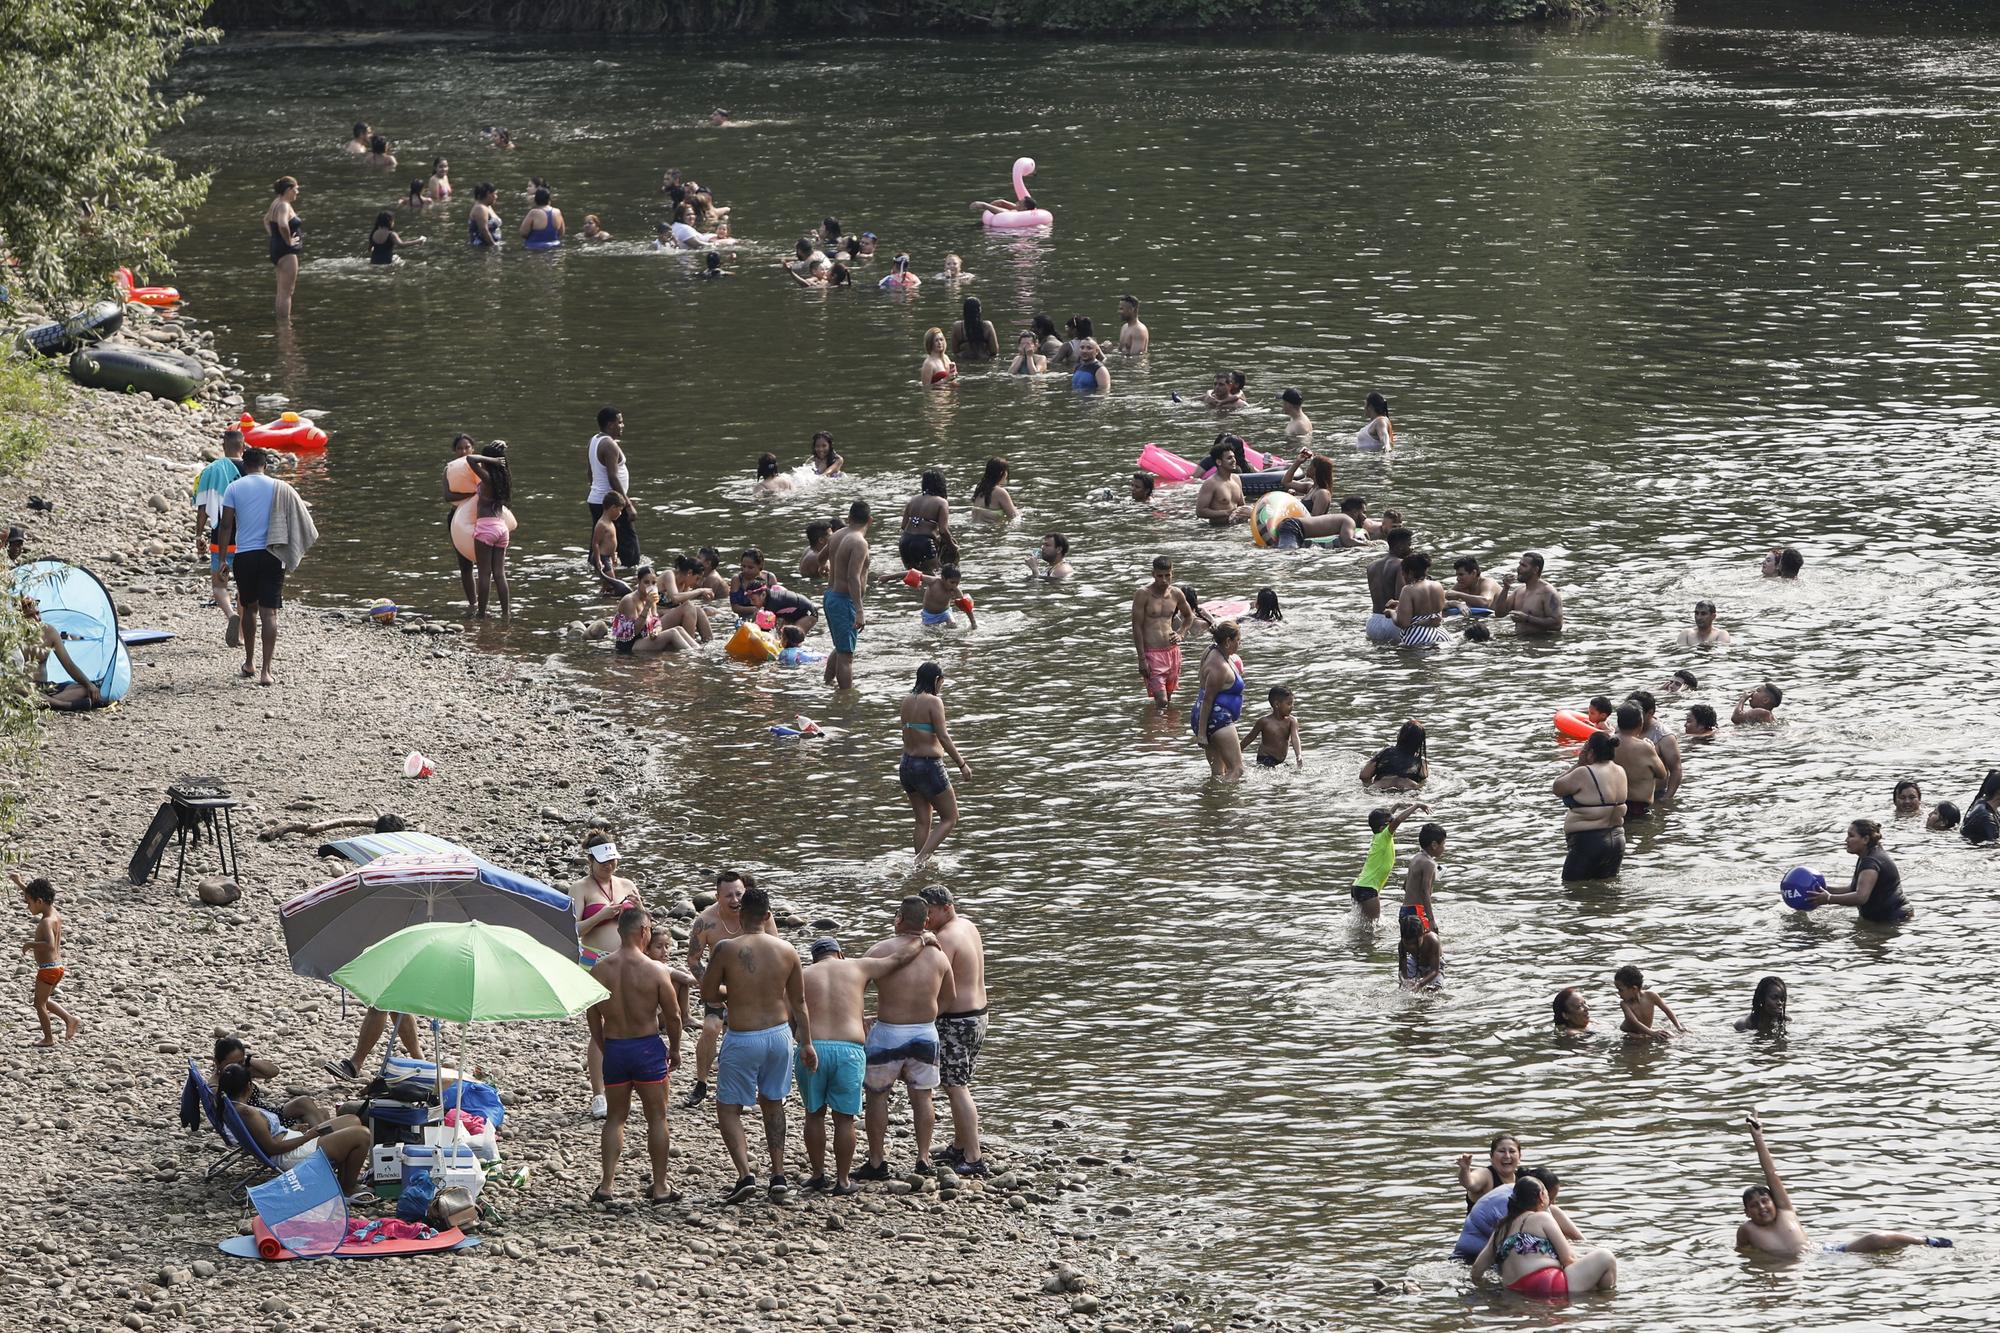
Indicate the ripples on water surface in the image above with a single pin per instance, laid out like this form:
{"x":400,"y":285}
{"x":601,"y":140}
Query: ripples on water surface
{"x":1648,"y":299}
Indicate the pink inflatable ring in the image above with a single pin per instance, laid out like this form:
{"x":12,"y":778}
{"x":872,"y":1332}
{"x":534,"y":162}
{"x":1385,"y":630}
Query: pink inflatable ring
{"x":1019,"y":219}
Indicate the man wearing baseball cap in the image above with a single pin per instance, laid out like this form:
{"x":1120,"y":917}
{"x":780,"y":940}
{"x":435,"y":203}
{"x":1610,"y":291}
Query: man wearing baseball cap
{"x":836,"y":988}
{"x":961,"y":1024}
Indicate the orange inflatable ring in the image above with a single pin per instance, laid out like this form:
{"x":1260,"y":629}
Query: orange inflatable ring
{"x":290,"y":432}
{"x":1575,"y":725}
{"x":462,"y":520}
{"x":152,"y":296}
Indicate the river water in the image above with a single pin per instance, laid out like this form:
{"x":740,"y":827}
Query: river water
{"x":1649,"y":299}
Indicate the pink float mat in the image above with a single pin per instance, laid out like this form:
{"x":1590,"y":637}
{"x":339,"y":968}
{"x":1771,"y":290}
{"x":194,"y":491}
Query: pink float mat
{"x":261,"y":1244}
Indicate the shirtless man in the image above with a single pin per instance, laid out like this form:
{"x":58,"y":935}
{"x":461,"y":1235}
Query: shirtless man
{"x":1644,"y":770}
{"x":1470,"y":586}
{"x":1773,"y":1227}
{"x":1385,"y":580}
{"x":835,"y":989}
{"x":903,"y":1042}
{"x":1052,"y":561}
{"x":1158,"y":611}
{"x":846,"y":580}
{"x":1419,"y":616}
{"x":1343,"y":524}
{"x":1705,"y":633}
{"x":1662,"y":739}
{"x":625,"y":1038}
{"x":1297,"y":424}
{"x":1221,"y":498}
{"x":1133,"y":337}
{"x":961,"y":1026}
{"x":720,"y":922}
{"x":1536,"y":606}
{"x":760,"y":974}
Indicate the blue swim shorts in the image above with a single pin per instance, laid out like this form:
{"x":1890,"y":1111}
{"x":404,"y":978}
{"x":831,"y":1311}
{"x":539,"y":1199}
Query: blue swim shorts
{"x":634,"y":1060}
{"x":836,"y":1084}
{"x":840,"y":616}
{"x":754,"y":1065}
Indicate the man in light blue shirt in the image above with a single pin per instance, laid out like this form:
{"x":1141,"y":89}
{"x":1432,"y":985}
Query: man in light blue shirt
{"x":260,"y":575}
{"x":1491,"y":1210}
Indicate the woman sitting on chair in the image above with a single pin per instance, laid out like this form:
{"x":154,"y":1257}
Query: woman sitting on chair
{"x":344,"y":1139}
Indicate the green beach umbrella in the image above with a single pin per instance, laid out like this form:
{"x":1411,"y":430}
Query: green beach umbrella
{"x":469,"y":972}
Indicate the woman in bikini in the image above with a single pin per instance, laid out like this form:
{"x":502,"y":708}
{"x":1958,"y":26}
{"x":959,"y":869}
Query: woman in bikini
{"x":926,"y":743}
{"x":281,"y":230}
{"x":1535,"y":1258}
{"x":936,"y":368}
{"x":1219,"y":702}
{"x":926,"y":542}
{"x":438,"y":187}
{"x":1594,"y":823}
{"x":973,"y":337}
{"x":637,"y":626}
{"x":490,"y":531}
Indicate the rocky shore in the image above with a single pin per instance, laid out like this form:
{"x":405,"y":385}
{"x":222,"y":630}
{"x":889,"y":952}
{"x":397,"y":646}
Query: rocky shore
{"x":107,"y":1220}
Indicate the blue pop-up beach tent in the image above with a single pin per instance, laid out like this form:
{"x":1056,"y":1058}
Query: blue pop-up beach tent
{"x":79,"y":607}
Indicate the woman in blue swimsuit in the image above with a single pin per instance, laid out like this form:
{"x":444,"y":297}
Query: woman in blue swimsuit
{"x":1220,"y":702}
{"x":542,"y":227}
{"x":1090,"y":375}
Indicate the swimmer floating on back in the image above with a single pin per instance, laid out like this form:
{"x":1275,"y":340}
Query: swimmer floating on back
{"x":1773,"y":1226}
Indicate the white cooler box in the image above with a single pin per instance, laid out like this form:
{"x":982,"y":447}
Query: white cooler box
{"x":485,"y":1144}
{"x":447,"y":1165}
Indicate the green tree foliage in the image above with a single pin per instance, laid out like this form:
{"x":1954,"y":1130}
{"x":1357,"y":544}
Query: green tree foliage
{"x":80,"y":104}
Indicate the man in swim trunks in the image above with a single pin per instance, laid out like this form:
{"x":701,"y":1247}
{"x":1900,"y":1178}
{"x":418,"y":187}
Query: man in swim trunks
{"x":1536,"y":606}
{"x":1705,"y":633}
{"x":625,"y":1032}
{"x":903,"y":1043}
{"x":719,"y":922}
{"x":1385,"y":580}
{"x":260,"y":575}
{"x":835,"y":989}
{"x":1343,"y":525}
{"x":1773,"y":1227}
{"x":760,"y":974}
{"x":1158,"y":611}
{"x":1419,"y":615}
{"x":1644,"y":771}
{"x":1221,"y":499}
{"x":961,"y":1025}
{"x":1297,"y":424}
{"x":1471,"y":587}
{"x":847,"y":577}
{"x":1133,"y":337}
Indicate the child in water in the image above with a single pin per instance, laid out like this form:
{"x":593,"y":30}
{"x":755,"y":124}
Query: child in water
{"x":1641,"y":1006}
{"x":1267,"y":609}
{"x":1773,"y":1226}
{"x":1422,"y":877}
{"x":794,"y":652}
{"x":46,"y":945}
{"x":1278,"y":731}
{"x":1381,"y":863}
{"x":941,"y":594}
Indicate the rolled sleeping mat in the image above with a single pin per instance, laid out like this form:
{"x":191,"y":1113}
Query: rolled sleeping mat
{"x":122,"y":368}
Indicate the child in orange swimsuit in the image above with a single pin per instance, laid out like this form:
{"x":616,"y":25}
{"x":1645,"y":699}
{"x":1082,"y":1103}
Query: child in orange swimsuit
{"x":46,"y":945}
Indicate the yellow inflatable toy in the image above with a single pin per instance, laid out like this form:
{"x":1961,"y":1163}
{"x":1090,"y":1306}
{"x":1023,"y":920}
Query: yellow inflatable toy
{"x":751,"y":645}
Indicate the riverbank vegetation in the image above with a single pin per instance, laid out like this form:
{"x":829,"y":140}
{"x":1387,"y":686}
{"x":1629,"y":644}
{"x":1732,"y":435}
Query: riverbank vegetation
{"x":754,"y":17}
{"x":80,"y":106}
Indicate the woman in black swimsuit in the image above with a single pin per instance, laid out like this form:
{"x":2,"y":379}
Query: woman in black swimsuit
{"x":926,"y":542}
{"x":1594,"y":824}
{"x":281,"y":229}
{"x":1877,"y":887}
{"x":382,"y":241}
{"x":1404,"y":766}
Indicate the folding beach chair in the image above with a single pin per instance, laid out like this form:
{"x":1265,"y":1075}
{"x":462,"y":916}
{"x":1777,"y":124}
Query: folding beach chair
{"x":198,"y":1103}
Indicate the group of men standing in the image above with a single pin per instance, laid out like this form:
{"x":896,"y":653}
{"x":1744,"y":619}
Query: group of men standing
{"x":778,"y":1019}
